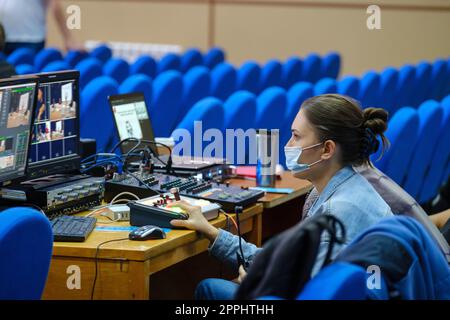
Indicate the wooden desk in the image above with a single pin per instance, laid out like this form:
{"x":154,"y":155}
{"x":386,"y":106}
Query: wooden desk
{"x":125,"y":267}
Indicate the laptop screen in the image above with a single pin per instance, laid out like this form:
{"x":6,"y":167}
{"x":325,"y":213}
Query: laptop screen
{"x":132,"y":119}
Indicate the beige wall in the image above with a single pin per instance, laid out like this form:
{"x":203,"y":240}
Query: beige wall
{"x":264,"y":29}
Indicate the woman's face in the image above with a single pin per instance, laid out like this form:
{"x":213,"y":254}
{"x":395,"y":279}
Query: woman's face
{"x":303,"y":135}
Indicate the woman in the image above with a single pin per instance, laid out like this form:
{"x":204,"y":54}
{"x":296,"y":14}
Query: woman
{"x":330,"y":134}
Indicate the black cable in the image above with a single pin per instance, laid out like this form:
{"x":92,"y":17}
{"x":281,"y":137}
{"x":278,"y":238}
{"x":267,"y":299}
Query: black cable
{"x":238,"y":210}
{"x":96,"y":262}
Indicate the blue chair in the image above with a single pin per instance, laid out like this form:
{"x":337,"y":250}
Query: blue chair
{"x":170,"y":61}
{"x":209,"y":114}
{"x":405,"y":88}
{"x":430,"y":117}
{"x":325,"y":85}
{"x":436,"y":173}
{"x":292,"y":72}
{"x":191,"y":58}
{"x":402,"y":133}
{"x":270,"y":75}
{"x":2,"y":56}
{"x":213,"y":57}
{"x":138,"y":83}
{"x":144,"y":65}
{"x":166,"y":102}
{"x":46,"y":56}
{"x":90,"y":69}
{"x":102,"y":53}
{"x":423,"y":83}
{"x":331,"y":64}
{"x":312,"y":67}
{"x":388,"y":89}
{"x":248,"y":76}
{"x":196,"y":86}
{"x":369,"y":89}
{"x":337,"y":281}
{"x":349,"y":86}
{"x":117,"y":69}
{"x":223,"y":81}
{"x":22,"y":69}
{"x":26,"y":243}
{"x":271,"y":105}
{"x":21,"y":56}
{"x":96,"y":119}
{"x":438,"y":79}
{"x":73,"y":57}
{"x":56,"y":66}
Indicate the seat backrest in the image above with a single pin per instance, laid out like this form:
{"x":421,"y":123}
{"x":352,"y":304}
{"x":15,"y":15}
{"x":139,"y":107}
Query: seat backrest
{"x":25,"y":69}
{"x":423,"y":82}
{"x":26,"y":243}
{"x":191,"y":58}
{"x":270,"y":75}
{"x":325,"y":85}
{"x":292,"y":72}
{"x":430,"y":118}
{"x":144,"y":65}
{"x":438,"y":79}
{"x":248,"y":76}
{"x":223,"y":81}
{"x":21,"y":56}
{"x":349,"y":86}
{"x":116,"y":68}
{"x":90,"y":69}
{"x":59,"y":65}
{"x":73,"y":57}
{"x":337,"y":281}
{"x":312,"y":67}
{"x":166,"y":102}
{"x":405,"y":94}
{"x":138,"y":83}
{"x":369,"y":89}
{"x":170,"y":61}
{"x":102,"y":53}
{"x":271,"y":104}
{"x":96,"y":120}
{"x":196,"y":86}
{"x":240,"y":111}
{"x":45,"y":56}
{"x":214,"y":57}
{"x":388,"y":89}
{"x":331,"y":65}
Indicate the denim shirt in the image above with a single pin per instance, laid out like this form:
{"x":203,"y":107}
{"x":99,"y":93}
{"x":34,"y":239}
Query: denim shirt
{"x":347,"y":196}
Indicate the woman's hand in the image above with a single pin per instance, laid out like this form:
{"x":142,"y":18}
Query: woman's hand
{"x":242,"y":275}
{"x":196,"y":220}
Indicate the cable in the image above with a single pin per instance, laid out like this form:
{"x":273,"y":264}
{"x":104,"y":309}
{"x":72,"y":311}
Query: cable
{"x":238,"y":210}
{"x":123,"y":194}
{"x":96,"y":262}
{"x":229,"y":218}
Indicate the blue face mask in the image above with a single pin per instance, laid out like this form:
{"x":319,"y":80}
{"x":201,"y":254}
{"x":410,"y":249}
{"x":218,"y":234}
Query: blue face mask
{"x":293,"y":154}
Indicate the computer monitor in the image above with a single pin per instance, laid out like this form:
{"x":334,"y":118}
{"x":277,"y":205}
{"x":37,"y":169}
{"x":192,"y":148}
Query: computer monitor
{"x":132,"y":119}
{"x":55,"y":137}
{"x":17,"y":102}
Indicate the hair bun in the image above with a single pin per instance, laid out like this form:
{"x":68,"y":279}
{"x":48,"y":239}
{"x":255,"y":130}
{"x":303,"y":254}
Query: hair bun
{"x":375,"y":119}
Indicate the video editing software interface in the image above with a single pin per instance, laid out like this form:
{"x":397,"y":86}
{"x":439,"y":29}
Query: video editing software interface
{"x":16,"y":107}
{"x":54,"y":134}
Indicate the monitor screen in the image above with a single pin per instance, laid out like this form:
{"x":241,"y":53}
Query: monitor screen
{"x":55,"y":135}
{"x":17,"y":97}
{"x":131,"y":118}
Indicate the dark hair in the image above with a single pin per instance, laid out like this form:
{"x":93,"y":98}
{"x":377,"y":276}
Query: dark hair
{"x":341,"y":119}
{"x":2,"y":37}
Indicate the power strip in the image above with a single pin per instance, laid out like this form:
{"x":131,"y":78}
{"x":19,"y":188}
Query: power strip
{"x":117,"y":212}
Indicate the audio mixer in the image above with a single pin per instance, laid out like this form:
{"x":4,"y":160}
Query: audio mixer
{"x":146,"y":185}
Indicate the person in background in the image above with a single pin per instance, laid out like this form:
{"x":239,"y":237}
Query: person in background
{"x":25,"y":23}
{"x":330,"y":135}
{"x":6,"y":70}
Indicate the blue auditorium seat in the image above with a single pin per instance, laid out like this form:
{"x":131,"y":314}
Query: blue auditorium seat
{"x":312,"y":68}
{"x":26,"y":243}
{"x":2,"y":56}
{"x":331,"y":65}
{"x":248,"y":76}
{"x":423,"y":83}
{"x":170,"y":61}
{"x":102,"y":53}
{"x":271,"y":104}
{"x":292,"y":72}
{"x":21,"y":56}
{"x":90,"y":68}
{"x":56,"y":66}
{"x":349,"y":86}
{"x":117,"y":69}
{"x":369,"y":89}
{"x":22,"y":69}
{"x":402,"y":133}
{"x":196,"y":86}
{"x":223,"y":81}
{"x":270,"y":75}
{"x":405,"y":88}
{"x":430,"y":117}
{"x":436,"y":173}
{"x":73,"y":57}
{"x":191,"y":58}
{"x":214,"y":57}
{"x":209,"y":112}
{"x":325,"y":85}
{"x":138,"y":83}
{"x":96,"y":119}
{"x":45,"y":56}
{"x":438,"y":78}
{"x":166,"y":102}
{"x":144,"y":65}
{"x":388,"y":89}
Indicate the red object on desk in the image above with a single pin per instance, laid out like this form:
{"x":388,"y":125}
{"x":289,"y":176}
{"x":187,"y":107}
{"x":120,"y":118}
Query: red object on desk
{"x":247,"y":171}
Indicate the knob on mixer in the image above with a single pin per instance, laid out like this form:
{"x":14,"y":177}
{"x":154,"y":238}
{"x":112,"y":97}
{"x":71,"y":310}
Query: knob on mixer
{"x":176,"y":193}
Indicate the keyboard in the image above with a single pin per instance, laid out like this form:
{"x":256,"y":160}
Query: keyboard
{"x":72,"y":228}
